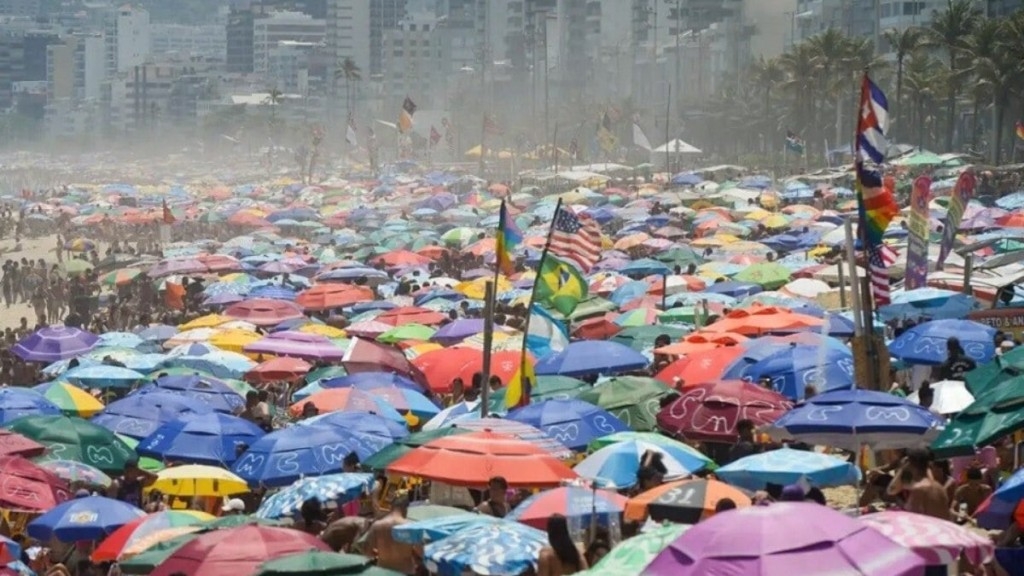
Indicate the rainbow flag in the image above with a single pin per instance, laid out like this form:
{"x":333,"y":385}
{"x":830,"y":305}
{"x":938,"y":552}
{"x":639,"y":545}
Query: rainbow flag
{"x":509,"y":236}
{"x":875,"y":203}
{"x":1020,"y":129}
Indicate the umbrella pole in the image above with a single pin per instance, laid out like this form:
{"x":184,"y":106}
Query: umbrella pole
{"x":485,"y":392}
{"x":858,"y":327}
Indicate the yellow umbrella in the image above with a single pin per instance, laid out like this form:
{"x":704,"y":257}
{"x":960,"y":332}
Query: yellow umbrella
{"x":208,"y":321}
{"x":234,"y":340}
{"x":631,"y":241}
{"x":714,"y":241}
{"x":198,"y":480}
{"x":474,"y":289}
{"x":421,"y":348}
{"x":323,"y":330}
{"x":776,"y":221}
{"x":72,"y":399}
{"x":191,"y":337}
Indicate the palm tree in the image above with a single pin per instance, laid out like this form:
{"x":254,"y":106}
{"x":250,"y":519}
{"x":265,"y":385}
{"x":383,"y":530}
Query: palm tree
{"x":982,"y":45}
{"x":903,"y":44}
{"x":350,"y":72}
{"x":949,"y":31}
{"x":766,"y":75}
{"x":801,"y":68}
{"x":924,"y":78}
{"x":998,"y":67}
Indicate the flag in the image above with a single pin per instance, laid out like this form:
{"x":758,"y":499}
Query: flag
{"x":449,"y":135}
{"x":962,"y":192}
{"x":604,"y":133}
{"x":639,"y":138}
{"x":491,"y":127}
{"x":435,"y":136}
{"x":350,"y":132}
{"x":794,"y":143}
{"x":517,"y":393}
{"x":560,"y":285}
{"x":168,"y":216}
{"x":1020,"y":129}
{"x":574,"y":148}
{"x":876,"y":206}
{"x":577,"y":239}
{"x":509,"y":236}
{"x":544,"y":334}
{"x":405,"y":116}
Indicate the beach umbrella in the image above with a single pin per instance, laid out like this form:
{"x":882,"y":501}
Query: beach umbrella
{"x":198,"y":480}
{"x":217,"y":363}
{"x":616,"y":465}
{"x":402,"y":446}
{"x":788,"y":536}
{"x":238,"y":550}
{"x":683,"y":501}
{"x":458,"y":330}
{"x":298,"y":345}
{"x":710,"y":412}
{"x":12,"y":444}
{"x":362,"y":423}
{"x":416,"y":332}
{"x":131,"y":534}
{"x":411,"y":315}
{"x":145,"y":562}
{"x":200,"y":439}
{"x":120,"y":340}
{"x":317,"y":563}
{"x":794,"y":367}
{"x":929,"y":303}
{"x":635,"y":400}
{"x":86,"y":518}
{"x":347,"y":399}
{"x":926,"y":342}
{"x":18,"y":402}
{"x":950,"y":397}
{"x":54,"y":343}
{"x":264,"y":311}
{"x":572,"y":422}
{"x":499,"y":548}
{"x":102,"y":376}
{"x":285,"y":455}
{"x":278,"y":369}
{"x":215,"y":393}
{"x":29,"y":487}
{"x":407,"y":401}
{"x":434,"y":529}
{"x":575,"y":503}
{"x":76,"y":472}
{"x":70,"y":438}
{"x":140,"y":414}
{"x":993,"y":414}
{"x":851,"y":418}
{"x":700,"y":366}
{"x":441,"y":367}
{"x":472,"y":459}
{"x":787,"y":466}
{"x":938,"y":542}
{"x":632,"y":555}
{"x":332,"y":489}
{"x":767,"y":275}
{"x":556,"y":388}
{"x":591,"y":357}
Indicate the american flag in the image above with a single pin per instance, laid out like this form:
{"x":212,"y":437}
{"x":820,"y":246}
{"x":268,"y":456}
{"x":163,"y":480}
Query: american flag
{"x":878,"y":264}
{"x":576,"y":239}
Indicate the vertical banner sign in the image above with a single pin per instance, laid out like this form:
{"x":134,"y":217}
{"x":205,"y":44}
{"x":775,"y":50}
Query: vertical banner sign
{"x":917,"y":243}
{"x":962,"y":193}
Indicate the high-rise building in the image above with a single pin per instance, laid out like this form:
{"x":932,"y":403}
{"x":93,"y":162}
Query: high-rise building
{"x":76,"y":68}
{"x":35,"y":46}
{"x":208,"y":41}
{"x":238,"y":35}
{"x":272,"y":29}
{"x":355,"y":29}
{"x":579,"y":35}
{"x":127,"y":34}
{"x":12,"y":64}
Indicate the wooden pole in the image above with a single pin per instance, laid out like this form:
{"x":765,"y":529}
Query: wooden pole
{"x":485,"y":392}
{"x":858,"y":326}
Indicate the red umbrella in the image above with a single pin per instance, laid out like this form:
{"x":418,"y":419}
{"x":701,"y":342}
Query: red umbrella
{"x":220,"y":262}
{"x":537,"y":509}
{"x":709,"y":412}
{"x":472,"y":459}
{"x":264,"y":311}
{"x":442,"y":366}
{"x":14,"y":444}
{"x":327,"y":296}
{"x":25,"y":486}
{"x":366,"y":356}
{"x":411,"y":315}
{"x":236,"y":550}
{"x":599,"y":328}
{"x":757,"y":320}
{"x":277,"y":369}
{"x":397,"y":258}
{"x":698,"y":367}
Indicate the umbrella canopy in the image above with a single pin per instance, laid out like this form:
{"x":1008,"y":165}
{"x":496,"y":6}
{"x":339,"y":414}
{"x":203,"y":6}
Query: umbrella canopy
{"x":710,"y":412}
{"x":71,"y":400}
{"x":328,"y":296}
{"x":572,"y":422}
{"x":298,"y":345}
{"x":54,"y":343}
{"x":133,"y":532}
{"x":472,"y":459}
{"x":76,"y":472}
{"x":787,"y":466}
{"x":634,"y":400}
{"x":938,"y":542}
{"x":12,"y":444}
{"x":102,"y":376}
{"x":347,"y":399}
{"x":795,"y":367}
{"x":616,"y":465}
{"x":200,"y":439}
{"x":198,"y":480}
{"x":569,"y":501}
{"x":500,"y":548}
{"x":264,"y":311}
{"x":316,"y":563}
{"x":926,"y":342}
{"x":684,"y":501}
{"x":786,"y":537}
{"x":140,"y":414}
{"x":87,"y":518}
{"x":236,"y":550}
{"x":215,"y":393}
{"x":18,"y":402}
{"x":69,"y":438}
{"x":949,"y":397}
{"x":992,"y":415}
{"x":591,"y":357}
{"x":331,"y":489}
{"x":441,"y":367}
{"x":29,"y":487}
{"x":434,"y":529}
{"x":852,"y":418}
{"x":632,"y":555}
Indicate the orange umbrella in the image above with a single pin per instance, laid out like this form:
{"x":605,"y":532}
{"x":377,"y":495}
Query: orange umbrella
{"x":700,"y":367}
{"x":683,"y":501}
{"x":433,"y":252}
{"x":472,"y":459}
{"x":411,"y":315}
{"x":757,"y":320}
{"x":442,"y":366}
{"x":397,"y":258}
{"x":702,"y":341}
{"x":276,"y":369}
{"x":327,"y":296}
{"x":340,"y":399}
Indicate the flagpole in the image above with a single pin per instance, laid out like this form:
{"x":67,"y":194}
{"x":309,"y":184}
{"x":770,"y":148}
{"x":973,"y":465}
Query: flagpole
{"x":866,"y":291}
{"x":483,"y":149}
{"x":555,"y":146}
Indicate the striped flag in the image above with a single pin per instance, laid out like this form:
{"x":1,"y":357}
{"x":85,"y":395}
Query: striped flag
{"x":449,"y":135}
{"x":577,"y":239}
{"x":878,"y":269}
{"x":405,"y":115}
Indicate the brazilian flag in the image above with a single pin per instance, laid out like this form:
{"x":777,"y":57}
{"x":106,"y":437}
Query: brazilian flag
{"x":560,"y":285}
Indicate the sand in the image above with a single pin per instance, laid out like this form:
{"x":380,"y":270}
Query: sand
{"x":32,"y":249}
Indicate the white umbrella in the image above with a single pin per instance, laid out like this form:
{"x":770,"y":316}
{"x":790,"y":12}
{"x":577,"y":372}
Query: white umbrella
{"x":951,"y":396}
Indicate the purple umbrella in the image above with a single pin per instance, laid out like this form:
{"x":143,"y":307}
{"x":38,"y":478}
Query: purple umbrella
{"x":458,"y":330}
{"x":784,"y":538}
{"x":54,"y":343}
{"x":223,"y":299}
{"x":297,"y":345}
{"x":279,"y":267}
{"x":611,"y":264}
{"x":177,"y":266}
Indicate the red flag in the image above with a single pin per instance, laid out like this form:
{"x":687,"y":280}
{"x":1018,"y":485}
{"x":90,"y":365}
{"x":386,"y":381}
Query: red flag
{"x":435,"y":136}
{"x":168,"y":217}
{"x":491,"y":127}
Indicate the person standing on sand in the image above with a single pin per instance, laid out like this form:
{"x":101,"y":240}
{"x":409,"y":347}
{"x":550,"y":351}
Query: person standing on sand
{"x":924,"y":495}
{"x":381,"y":545}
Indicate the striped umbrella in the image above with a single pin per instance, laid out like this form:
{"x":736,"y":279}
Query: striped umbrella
{"x":54,"y":343}
{"x":939,"y":542}
{"x":71,"y":400}
{"x":499,"y":548}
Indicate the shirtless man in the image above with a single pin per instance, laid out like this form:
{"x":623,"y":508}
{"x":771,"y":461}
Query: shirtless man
{"x":382,"y":546}
{"x":924,"y":494}
{"x":969,"y":495}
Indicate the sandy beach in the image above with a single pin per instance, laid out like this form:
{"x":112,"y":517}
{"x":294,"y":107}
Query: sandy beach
{"x":33,"y":249}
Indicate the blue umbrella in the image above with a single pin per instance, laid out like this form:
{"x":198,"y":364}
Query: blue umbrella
{"x":1012,"y":489}
{"x":686,"y":179}
{"x":285,"y":455}
{"x":591,"y":357}
{"x":574,"y":423}
{"x":616,"y":465}
{"x":330,"y":489}
{"x":457,"y":330}
{"x":362,"y":423}
{"x":213,"y":392}
{"x":120,"y":339}
{"x":371,"y":380}
{"x":102,"y":376}
{"x":851,"y":418}
{"x":796,"y":366}
{"x":787,"y":466}
{"x":18,"y":402}
{"x":646,"y":267}
{"x":629,"y":291}
{"x":926,"y":343}
{"x":54,"y":343}
{"x":274,"y":292}
{"x":929,"y":303}
{"x":223,"y":299}
{"x":218,"y":363}
{"x":61,"y":366}
{"x":434,"y":529}
{"x":88,"y":518}
{"x":733,"y":289}
{"x":499,"y":548}
{"x":139,"y":415}
{"x":200,"y":439}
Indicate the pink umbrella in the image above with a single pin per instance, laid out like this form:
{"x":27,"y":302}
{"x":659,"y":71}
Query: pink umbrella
{"x":296,"y":344}
{"x":938,"y":542}
{"x":368,"y":328}
{"x":264,"y":311}
{"x":220,"y":262}
{"x":177,"y":266}
{"x":365,"y":356}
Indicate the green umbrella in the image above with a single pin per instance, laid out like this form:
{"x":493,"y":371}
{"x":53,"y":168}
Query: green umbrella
{"x":640,"y":338}
{"x":145,"y":463}
{"x":154,"y":556}
{"x":319,"y":563}
{"x":635,"y":400}
{"x":70,"y":438}
{"x":768,"y":275}
{"x":407,"y":332}
{"x":634,"y":554}
{"x":460,"y":236}
{"x":593,"y":306}
{"x":681,"y":256}
{"x":994,"y":414}
{"x":1001,"y":368}
{"x":679,"y":315}
{"x":556,"y":388}
{"x":389,"y":454}
{"x":325,"y":373}
{"x":237,"y":520}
